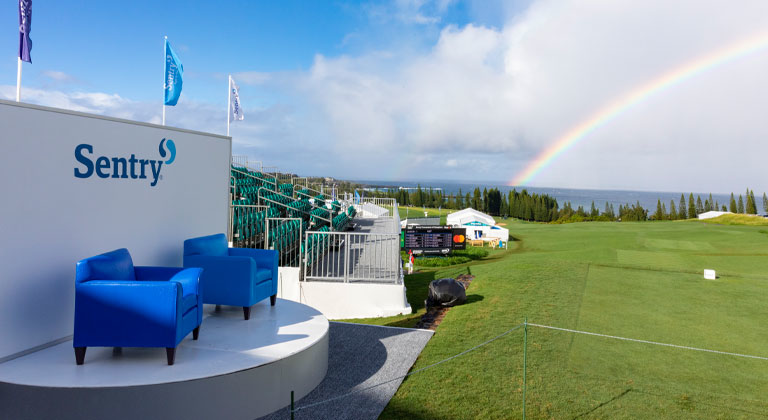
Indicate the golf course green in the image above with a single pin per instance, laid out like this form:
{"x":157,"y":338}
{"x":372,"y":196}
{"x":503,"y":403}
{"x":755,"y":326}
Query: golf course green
{"x":639,"y":280}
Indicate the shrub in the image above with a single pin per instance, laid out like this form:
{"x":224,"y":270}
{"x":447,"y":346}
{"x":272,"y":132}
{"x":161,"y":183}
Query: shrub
{"x":441,"y":261}
{"x":458,"y":257}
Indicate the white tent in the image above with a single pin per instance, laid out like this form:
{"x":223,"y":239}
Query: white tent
{"x":478,"y":224}
{"x":469,"y":215}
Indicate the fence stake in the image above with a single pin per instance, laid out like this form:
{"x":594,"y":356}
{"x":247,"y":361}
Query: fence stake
{"x":347,"y":245}
{"x":525,"y":360}
{"x":291,"y":405}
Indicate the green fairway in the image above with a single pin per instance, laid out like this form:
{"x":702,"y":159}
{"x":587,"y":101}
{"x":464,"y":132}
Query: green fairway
{"x":417,"y":212}
{"x":636,"y":280}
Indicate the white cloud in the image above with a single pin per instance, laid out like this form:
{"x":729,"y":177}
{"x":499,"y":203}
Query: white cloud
{"x":419,"y":12}
{"x":92,"y":102}
{"x":188,"y":114}
{"x":269,"y":134}
{"x":482,"y":101}
{"x":59,"y":76}
{"x":508,"y":93}
{"x":251,"y":77}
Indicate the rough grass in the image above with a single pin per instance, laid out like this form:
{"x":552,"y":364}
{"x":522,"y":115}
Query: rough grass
{"x":638,"y":280}
{"x":736,"y":219}
{"x":417,"y":286}
{"x":457,"y":257}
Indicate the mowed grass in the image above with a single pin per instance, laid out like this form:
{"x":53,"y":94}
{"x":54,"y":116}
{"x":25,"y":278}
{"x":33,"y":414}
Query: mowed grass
{"x":417,"y":287}
{"x":637,"y":280}
{"x":416,"y":212}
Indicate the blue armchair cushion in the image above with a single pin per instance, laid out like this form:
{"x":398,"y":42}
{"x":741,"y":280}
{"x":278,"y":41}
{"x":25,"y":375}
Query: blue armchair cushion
{"x":188,"y":303}
{"x":263,"y":274}
{"x":113,"y":265}
{"x":232,"y":276}
{"x":213,"y":246}
{"x":119,"y":305}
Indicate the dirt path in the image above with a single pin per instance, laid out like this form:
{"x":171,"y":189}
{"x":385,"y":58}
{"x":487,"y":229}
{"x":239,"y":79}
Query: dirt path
{"x":435,"y":314}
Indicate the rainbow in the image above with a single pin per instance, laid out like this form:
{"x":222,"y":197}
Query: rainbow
{"x":635,"y":96}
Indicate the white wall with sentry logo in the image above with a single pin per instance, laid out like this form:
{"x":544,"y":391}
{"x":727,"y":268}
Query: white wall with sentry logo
{"x":54,"y":213}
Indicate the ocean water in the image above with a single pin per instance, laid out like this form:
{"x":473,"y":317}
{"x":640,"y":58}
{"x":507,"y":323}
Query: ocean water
{"x":577,"y":197}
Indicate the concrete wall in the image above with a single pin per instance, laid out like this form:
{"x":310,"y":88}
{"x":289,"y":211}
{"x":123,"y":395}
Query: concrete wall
{"x":62,"y":203}
{"x":344,"y":300}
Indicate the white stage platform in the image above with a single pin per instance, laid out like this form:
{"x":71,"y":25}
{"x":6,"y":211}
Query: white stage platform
{"x":237,"y":369}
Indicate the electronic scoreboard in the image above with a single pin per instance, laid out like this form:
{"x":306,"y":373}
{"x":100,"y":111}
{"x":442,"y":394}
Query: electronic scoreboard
{"x":433,"y":239}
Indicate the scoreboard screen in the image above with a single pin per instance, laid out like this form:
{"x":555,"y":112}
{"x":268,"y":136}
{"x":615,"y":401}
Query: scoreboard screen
{"x":433,"y":239}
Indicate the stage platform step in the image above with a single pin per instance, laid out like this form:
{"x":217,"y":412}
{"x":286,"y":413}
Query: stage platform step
{"x":237,"y":369}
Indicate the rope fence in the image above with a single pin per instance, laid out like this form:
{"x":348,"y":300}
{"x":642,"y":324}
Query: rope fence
{"x":648,"y":342}
{"x":304,"y":407}
{"x":525,"y":326}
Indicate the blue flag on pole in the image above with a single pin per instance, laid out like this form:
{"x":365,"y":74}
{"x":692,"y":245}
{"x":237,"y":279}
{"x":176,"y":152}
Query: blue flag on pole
{"x":25,"y":27}
{"x":173,"y":76}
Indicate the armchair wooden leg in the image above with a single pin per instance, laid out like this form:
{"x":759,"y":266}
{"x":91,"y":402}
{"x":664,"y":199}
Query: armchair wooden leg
{"x":196,"y":333}
{"x":247,"y":312}
{"x":117,"y":351}
{"x":272,"y":300}
{"x":80,"y":355}
{"x":218,"y":308}
{"x":170,"y":353}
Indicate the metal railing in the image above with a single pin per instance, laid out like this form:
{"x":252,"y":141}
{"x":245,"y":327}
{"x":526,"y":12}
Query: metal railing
{"x":276,"y":176}
{"x":296,"y":179}
{"x":244,"y":229}
{"x":285,"y":240}
{"x":272,"y":181}
{"x":352,"y":257}
{"x":315,"y":192}
{"x":284,"y":178}
{"x":369,"y":209}
{"x":388,"y":203}
{"x":243,"y":161}
{"x":271,"y":170}
{"x":286,"y":208}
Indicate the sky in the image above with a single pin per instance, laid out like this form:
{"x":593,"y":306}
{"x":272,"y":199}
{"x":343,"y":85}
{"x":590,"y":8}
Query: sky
{"x":424,"y":89}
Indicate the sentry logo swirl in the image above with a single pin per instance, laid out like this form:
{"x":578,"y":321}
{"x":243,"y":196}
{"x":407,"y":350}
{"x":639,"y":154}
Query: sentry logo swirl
{"x":124,"y":167}
{"x":171,"y":149}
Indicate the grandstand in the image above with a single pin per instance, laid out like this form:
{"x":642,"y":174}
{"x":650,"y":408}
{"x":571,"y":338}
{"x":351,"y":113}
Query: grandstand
{"x":259,"y":202}
{"x":327,"y":241}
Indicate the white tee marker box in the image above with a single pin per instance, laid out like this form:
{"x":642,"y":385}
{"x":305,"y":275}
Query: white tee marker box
{"x":710,"y":275}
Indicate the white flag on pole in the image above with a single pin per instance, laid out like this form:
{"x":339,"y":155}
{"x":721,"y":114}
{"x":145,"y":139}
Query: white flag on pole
{"x":235,"y":111}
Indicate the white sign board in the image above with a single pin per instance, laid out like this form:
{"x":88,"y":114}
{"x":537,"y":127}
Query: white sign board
{"x":76,"y":185}
{"x":710,"y":275}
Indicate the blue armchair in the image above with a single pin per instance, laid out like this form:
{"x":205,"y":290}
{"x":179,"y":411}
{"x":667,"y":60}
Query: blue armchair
{"x":119,"y":305}
{"x":232,"y":276}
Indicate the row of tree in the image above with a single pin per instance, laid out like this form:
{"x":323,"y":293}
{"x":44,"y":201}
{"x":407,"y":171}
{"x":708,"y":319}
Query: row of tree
{"x":544,"y":208}
{"x":694,"y":208}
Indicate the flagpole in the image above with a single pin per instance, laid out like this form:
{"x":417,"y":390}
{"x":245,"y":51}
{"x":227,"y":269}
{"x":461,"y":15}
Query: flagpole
{"x":165,"y":76}
{"x":229,"y":100}
{"x":18,"y":82}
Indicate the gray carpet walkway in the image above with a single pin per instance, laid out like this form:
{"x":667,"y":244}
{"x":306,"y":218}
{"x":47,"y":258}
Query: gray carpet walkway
{"x":360,"y":356}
